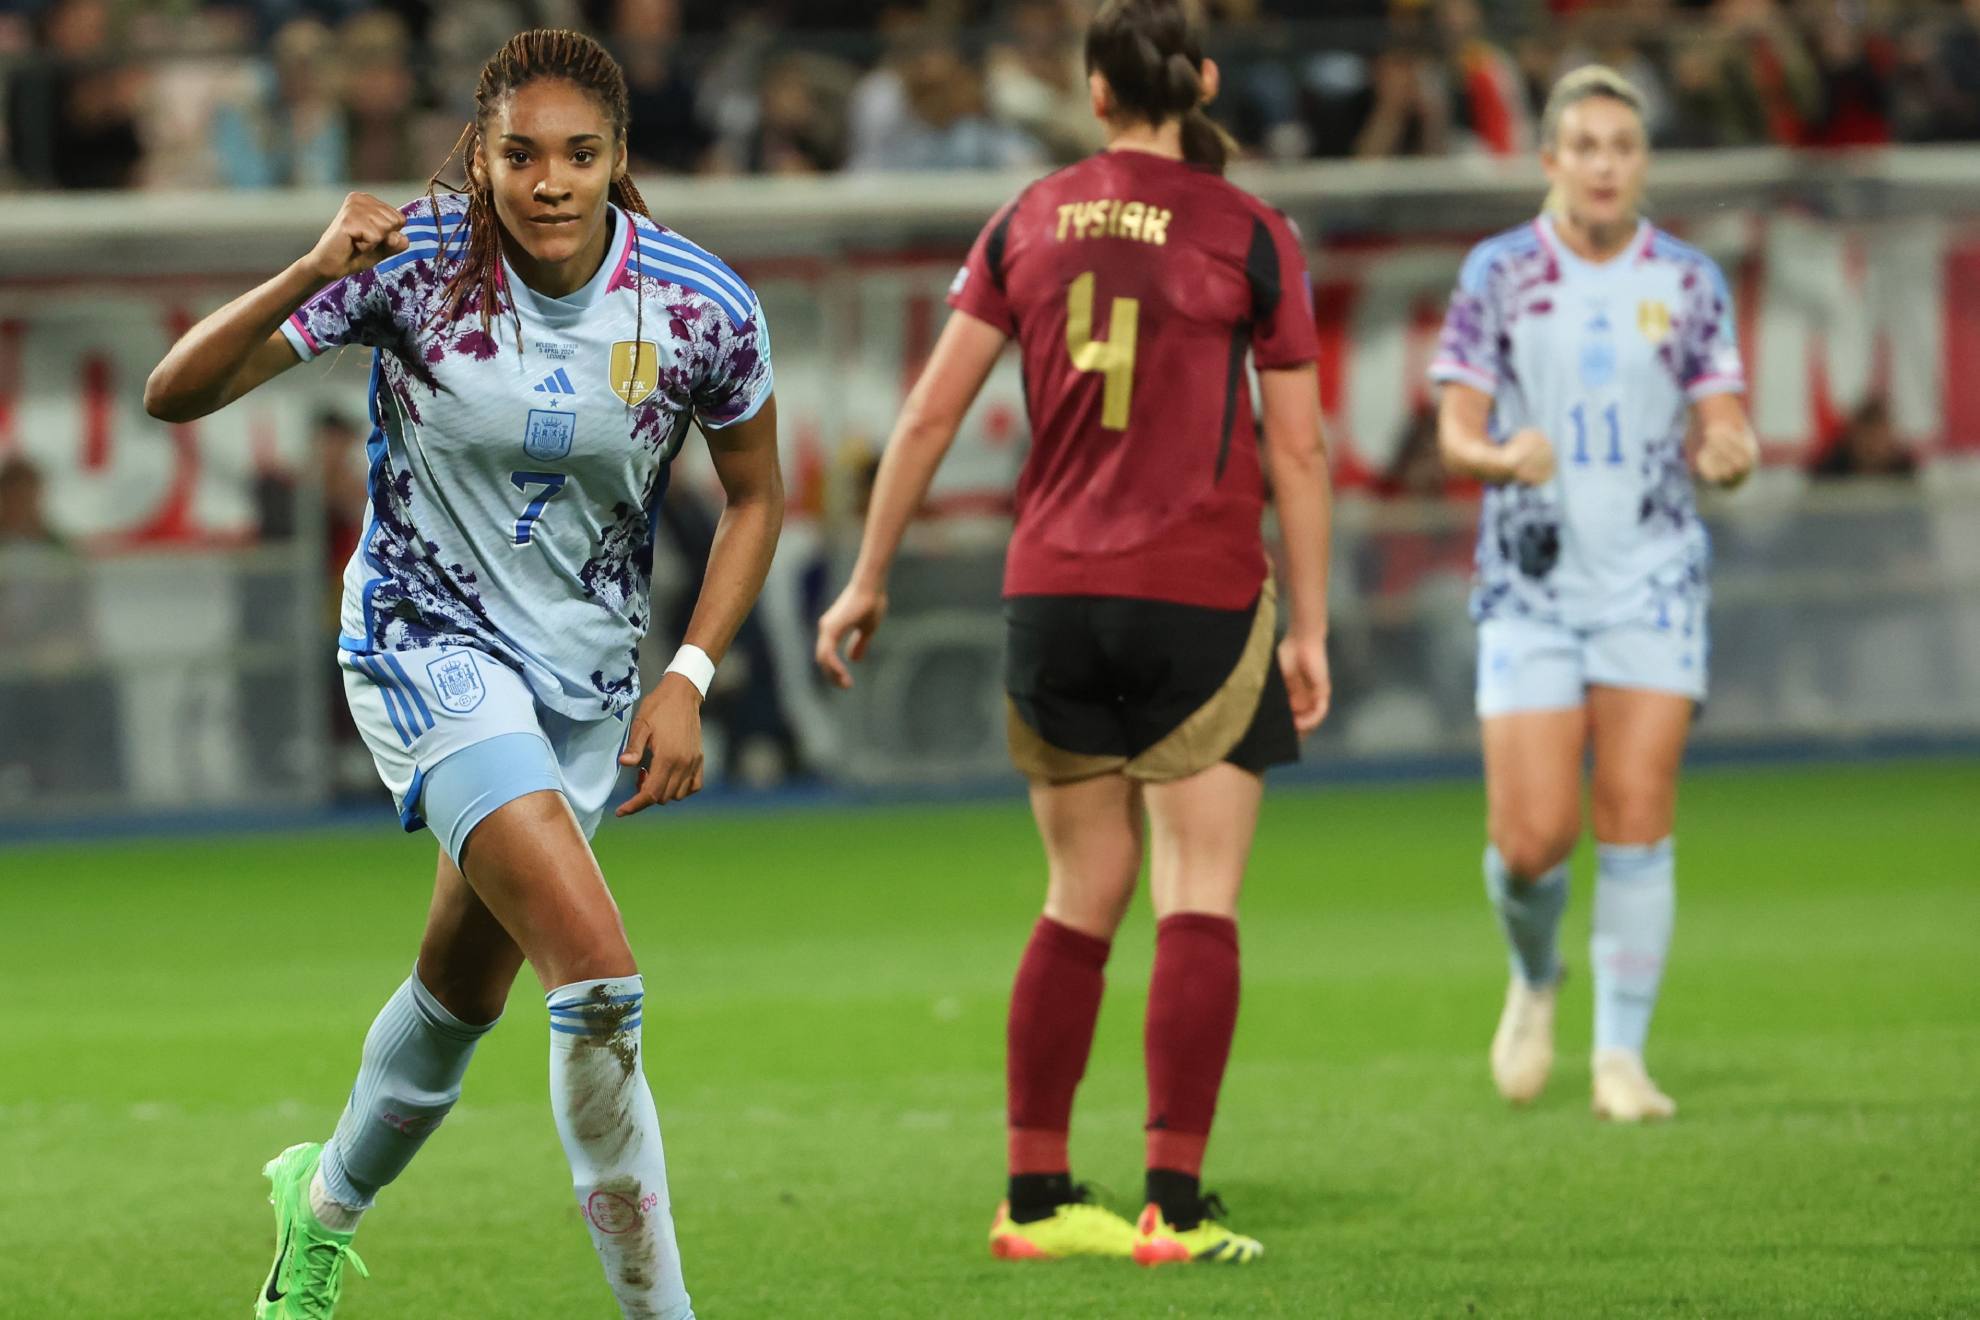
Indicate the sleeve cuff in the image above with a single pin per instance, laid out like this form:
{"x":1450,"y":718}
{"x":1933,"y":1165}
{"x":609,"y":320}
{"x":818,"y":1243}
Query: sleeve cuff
{"x":999,"y":320}
{"x":755,"y":407}
{"x":1447,"y":371}
{"x":1284,"y":361}
{"x":306,"y":348}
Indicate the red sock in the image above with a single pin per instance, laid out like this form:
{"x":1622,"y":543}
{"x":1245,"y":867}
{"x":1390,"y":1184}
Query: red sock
{"x":1192,"y":1012}
{"x":1054,"y":1004}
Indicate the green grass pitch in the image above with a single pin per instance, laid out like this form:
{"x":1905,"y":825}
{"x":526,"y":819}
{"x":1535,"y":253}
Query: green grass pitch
{"x":825,"y":1039}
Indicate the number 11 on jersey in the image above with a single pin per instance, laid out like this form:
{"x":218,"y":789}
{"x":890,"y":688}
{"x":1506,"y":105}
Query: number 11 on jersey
{"x":1113,"y":356}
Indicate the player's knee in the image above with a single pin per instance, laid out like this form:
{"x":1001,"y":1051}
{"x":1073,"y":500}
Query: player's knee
{"x":1632,"y":814}
{"x":474,"y":1000}
{"x":1094,"y":901}
{"x":1530,"y":849}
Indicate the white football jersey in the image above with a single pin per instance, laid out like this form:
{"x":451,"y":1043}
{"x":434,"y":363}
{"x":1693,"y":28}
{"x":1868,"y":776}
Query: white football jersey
{"x":513,"y":484}
{"x":1605,"y":360}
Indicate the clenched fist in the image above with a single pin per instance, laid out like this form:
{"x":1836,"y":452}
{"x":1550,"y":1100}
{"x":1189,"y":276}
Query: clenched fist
{"x":365,"y":232}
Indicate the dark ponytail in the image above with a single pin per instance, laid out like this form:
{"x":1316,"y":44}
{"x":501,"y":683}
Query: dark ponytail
{"x":1151,"y":54}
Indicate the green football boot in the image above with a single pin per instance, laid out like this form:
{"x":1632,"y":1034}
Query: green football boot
{"x":308,"y":1273}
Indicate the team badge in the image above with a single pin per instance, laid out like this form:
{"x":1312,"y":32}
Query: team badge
{"x":635,"y":370}
{"x":1653,"y":318}
{"x":548,"y":434}
{"x":457,"y":682}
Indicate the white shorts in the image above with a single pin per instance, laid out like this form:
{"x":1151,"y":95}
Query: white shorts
{"x":1528,"y":665}
{"x":418,"y":708}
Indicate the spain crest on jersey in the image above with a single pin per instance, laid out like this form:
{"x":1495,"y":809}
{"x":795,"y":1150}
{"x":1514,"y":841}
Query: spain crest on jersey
{"x":635,"y":370}
{"x":1653,"y":318}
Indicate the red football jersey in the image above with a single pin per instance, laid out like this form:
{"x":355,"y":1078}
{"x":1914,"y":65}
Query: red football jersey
{"x":1136,"y":287}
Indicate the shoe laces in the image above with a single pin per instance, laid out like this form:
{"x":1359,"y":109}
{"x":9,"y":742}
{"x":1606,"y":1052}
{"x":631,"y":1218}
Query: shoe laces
{"x":322,"y":1267}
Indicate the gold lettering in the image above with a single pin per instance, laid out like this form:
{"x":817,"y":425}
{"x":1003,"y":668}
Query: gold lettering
{"x":1130,"y":226}
{"x":1155,"y":226}
{"x":1065,"y":218}
{"x":1114,"y":209}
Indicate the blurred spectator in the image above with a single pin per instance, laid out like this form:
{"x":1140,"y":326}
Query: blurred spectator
{"x":1948,"y":83}
{"x":379,"y":113}
{"x":943,"y":123}
{"x":1411,"y":110}
{"x":1038,"y":82}
{"x":72,"y":114}
{"x":878,"y":109}
{"x":1490,"y":93}
{"x":1868,"y":446}
{"x":22,"y":522}
{"x":291,"y":131}
{"x":1743,"y":80}
{"x":1855,"y":68}
{"x":666,"y":133}
{"x":48,"y":695}
{"x":800,"y":124}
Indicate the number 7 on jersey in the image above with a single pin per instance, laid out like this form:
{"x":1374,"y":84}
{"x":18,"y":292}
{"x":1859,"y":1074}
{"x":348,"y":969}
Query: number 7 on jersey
{"x":1112,"y":357}
{"x":549,"y":483}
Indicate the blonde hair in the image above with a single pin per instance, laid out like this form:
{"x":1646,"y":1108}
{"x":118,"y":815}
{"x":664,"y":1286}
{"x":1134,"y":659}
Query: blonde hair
{"x":1578,"y":85}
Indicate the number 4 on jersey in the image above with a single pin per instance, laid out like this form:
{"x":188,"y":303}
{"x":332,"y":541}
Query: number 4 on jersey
{"x":1112,"y":357}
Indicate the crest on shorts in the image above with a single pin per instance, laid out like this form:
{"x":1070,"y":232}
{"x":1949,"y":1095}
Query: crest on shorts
{"x":457,"y":682}
{"x":635,"y":370}
{"x":1653,"y":318}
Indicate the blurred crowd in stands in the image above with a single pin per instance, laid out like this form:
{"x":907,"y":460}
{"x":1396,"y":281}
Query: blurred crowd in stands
{"x":259,"y":93}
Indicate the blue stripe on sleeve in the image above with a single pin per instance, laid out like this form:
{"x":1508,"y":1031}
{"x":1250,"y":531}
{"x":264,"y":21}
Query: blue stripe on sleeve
{"x":658,"y":264}
{"x":700,"y":258}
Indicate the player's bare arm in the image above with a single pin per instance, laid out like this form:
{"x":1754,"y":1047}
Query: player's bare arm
{"x":1464,"y":442}
{"x":241,"y":346}
{"x":1727,"y":450}
{"x":665,"y":735}
{"x":934,"y":410}
{"x":1296,"y":456}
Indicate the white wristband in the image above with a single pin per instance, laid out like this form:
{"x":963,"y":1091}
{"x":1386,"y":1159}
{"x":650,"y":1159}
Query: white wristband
{"x":693,"y":664}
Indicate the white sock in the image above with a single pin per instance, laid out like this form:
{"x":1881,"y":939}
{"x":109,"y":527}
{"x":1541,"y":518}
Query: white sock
{"x":328,"y":1210}
{"x":611,"y":1136}
{"x":1635,"y":906}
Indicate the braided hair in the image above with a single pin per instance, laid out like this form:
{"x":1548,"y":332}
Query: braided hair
{"x":525,"y":58}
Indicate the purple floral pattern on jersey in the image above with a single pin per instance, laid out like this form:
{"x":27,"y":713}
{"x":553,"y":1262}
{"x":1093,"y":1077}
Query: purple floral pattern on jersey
{"x":1702,"y":344}
{"x":1476,"y":343}
{"x":417,"y":600}
{"x":414,"y":594}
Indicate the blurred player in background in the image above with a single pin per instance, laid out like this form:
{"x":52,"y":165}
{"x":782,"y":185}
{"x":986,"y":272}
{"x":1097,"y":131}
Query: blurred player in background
{"x":1145,"y":691}
{"x":541,"y":347}
{"x":1590,"y":367}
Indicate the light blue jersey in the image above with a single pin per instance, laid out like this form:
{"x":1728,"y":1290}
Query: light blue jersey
{"x":513,"y":484}
{"x":1606,"y":360}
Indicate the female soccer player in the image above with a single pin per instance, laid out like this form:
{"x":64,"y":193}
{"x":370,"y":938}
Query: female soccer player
{"x":540,"y":347}
{"x":1141,"y":616}
{"x":1589,"y":366}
